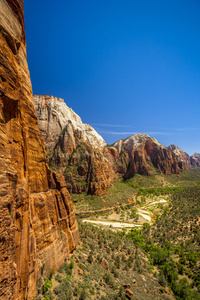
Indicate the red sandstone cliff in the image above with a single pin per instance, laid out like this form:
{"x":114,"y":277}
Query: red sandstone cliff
{"x":80,"y":153}
{"x":35,"y":205}
{"x":190,"y":161}
{"x":195,"y":160}
{"x":141,"y":154}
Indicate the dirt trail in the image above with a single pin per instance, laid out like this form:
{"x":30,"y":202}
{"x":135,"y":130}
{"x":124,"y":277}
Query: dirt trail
{"x":113,"y":223}
{"x":114,"y":219}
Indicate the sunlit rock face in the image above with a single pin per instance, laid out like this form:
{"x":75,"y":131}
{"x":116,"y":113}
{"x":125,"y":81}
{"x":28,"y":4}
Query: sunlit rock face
{"x":141,"y":154}
{"x":35,"y":205}
{"x":73,"y":148}
{"x":189,"y":161}
{"x":195,"y":160}
{"x":54,"y":116}
{"x":182,"y":155}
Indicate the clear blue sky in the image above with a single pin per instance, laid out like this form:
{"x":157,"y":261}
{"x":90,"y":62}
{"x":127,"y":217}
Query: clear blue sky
{"x":124,"y":66}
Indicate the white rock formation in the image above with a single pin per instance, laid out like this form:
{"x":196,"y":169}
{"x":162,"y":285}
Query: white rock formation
{"x":134,"y":141}
{"x":54,"y":116}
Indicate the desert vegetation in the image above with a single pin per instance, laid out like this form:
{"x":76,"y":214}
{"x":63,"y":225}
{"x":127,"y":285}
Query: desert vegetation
{"x":158,"y":260}
{"x":106,"y":265}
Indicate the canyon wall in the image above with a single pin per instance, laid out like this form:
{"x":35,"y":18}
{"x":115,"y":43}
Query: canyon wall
{"x":190,"y":161}
{"x":142,"y":154}
{"x":37,"y":221}
{"x":76,"y":150}
{"x":73,"y":148}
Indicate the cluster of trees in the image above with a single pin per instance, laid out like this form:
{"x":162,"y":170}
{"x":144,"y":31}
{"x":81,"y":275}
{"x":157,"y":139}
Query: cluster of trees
{"x":175,"y":234}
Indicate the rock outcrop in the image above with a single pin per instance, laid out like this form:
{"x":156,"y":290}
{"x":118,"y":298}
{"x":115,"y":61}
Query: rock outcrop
{"x":142,"y":154}
{"x":188,"y":161}
{"x":80,"y":153}
{"x":55,"y":118}
{"x":195,"y":160}
{"x":35,"y":206}
{"x":73,"y":148}
{"x":182,"y":155}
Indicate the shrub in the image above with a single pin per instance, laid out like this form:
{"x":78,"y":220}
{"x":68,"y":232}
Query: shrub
{"x":108,"y":279}
{"x":51,"y":274}
{"x":58,"y":278}
{"x":83,"y":295}
{"x":90,"y":258}
{"x":47,"y":285}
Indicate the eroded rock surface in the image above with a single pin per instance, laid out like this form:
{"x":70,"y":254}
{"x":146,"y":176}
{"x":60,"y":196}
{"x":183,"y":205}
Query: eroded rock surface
{"x":35,"y":206}
{"x":141,"y":154}
{"x":56,"y":119}
{"x":182,"y":155}
{"x":73,"y":148}
{"x":188,"y":161}
{"x":195,"y":160}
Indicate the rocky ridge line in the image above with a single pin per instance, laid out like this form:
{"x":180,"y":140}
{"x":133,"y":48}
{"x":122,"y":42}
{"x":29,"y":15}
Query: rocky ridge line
{"x":86,"y":162}
{"x":189,"y":161}
{"x":142,"y":154}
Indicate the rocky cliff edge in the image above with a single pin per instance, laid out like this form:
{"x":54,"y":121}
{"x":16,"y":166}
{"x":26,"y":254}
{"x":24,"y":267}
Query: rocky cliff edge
{"x":35,"y":206}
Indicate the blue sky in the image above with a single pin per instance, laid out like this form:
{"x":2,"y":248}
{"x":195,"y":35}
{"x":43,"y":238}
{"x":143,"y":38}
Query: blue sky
{"x":124,"y":66}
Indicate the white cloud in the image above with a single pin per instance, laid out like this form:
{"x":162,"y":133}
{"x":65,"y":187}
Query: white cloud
{"x":131,"y":133}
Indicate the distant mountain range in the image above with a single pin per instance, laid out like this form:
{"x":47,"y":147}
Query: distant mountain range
{"x":76,"y":150}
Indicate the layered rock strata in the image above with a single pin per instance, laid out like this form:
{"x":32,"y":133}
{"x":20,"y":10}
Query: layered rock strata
{"x":73,"y":148}
{"x":141,"y":154}
{"x":35,"y":206}
{"x":188,"y":161}
{"x":182,"y":155}
{"x":195,"y":160}
{"x":80,"y":153}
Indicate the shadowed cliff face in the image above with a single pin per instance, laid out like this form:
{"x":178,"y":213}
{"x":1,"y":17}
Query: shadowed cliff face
{"x":35,"y":205}
{"x":73,"y":148}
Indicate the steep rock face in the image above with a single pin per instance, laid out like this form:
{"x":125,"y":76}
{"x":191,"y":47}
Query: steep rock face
{"x":55,"y":117}
{"x":195,"y":160}
{"x":188,"y":161}
{"x":88,"y":171}
{"x":35,"y":205}
{"x":73,"y":148}
{"x":182,"y":155}
{"x":141,"y":154}
{"x":118,"y":160}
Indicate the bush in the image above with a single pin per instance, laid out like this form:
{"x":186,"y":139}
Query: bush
{"x":83,"y":295}
{"x":117,"y":261}
{"x":90,"y":258}
{"x":49,"y":296}
{"x":108,"y":279}
{"x":58,"y":278}
{"x":51,"y":274}
{"x":47,"y":285}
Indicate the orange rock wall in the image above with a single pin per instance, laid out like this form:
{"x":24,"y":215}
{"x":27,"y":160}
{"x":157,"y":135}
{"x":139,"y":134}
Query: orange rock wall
{"x":35,"y":205}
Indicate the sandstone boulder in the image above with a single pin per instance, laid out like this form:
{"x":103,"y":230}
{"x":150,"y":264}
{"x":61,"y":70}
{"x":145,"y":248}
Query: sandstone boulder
{"x":128,"y":294}
{"x":105,"y":264}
